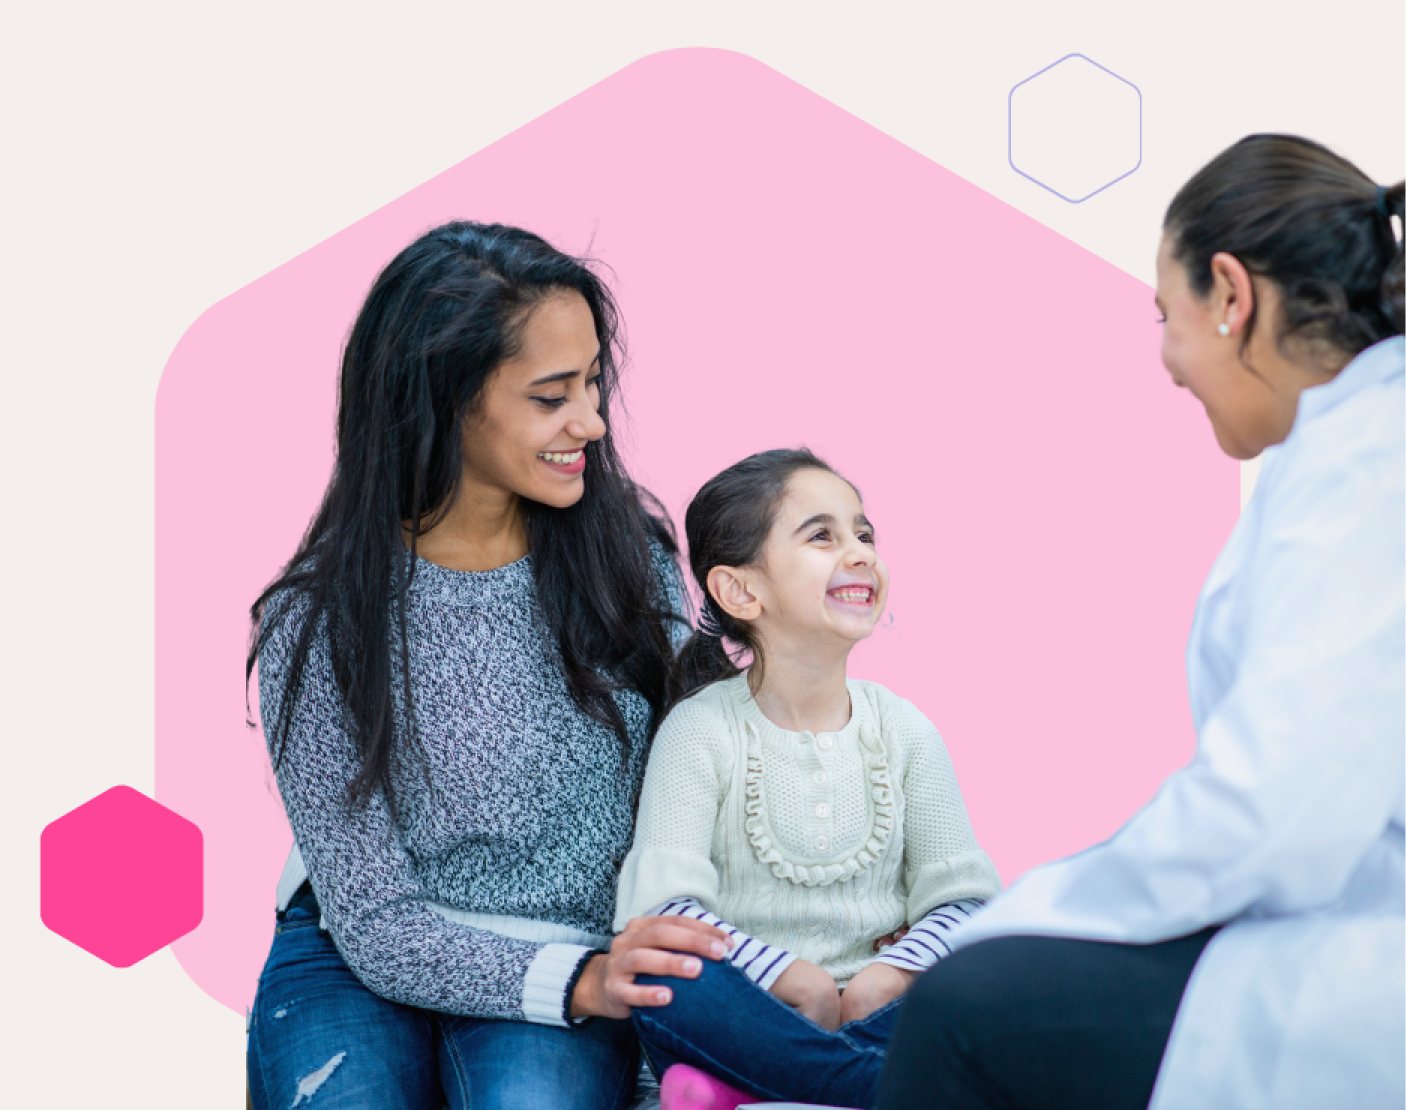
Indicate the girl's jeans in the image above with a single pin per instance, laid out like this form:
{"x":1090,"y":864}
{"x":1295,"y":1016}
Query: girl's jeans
{"x":726,"y":1025}
{"x":319,"y":1039}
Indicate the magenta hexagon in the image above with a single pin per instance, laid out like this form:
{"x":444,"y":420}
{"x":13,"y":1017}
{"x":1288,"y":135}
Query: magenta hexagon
{"x":121,"y":876}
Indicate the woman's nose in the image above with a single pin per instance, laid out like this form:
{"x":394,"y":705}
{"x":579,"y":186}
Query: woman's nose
{"x":588,"y":425}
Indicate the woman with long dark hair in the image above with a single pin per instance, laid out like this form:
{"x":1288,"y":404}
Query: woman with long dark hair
{"x":1239,"y":943}
{"x":460,"y":671}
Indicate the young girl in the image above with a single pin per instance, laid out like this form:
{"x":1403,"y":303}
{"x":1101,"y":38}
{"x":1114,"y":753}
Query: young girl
{"x":807,"y":814}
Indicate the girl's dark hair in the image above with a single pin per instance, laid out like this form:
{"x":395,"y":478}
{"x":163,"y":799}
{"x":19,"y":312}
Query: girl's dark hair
{"x":1311,"y":222}
{"x":438,"y":320}
{"x":726,"y":524}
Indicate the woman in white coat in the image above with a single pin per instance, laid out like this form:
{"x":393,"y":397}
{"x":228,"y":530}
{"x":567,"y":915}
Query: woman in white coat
{"x":1239,"y":943}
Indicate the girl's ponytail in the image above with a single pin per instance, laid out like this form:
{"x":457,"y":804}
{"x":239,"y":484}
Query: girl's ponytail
{"x":703,"y":661}
{"x":1391,"y":203}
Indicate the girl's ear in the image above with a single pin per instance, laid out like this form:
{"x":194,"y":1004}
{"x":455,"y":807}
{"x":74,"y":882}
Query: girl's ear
{"x":728,"y":585}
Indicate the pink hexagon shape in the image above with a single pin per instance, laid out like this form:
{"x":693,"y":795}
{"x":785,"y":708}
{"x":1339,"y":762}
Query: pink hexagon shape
{"x":121,"y":876}
{"x":1047,"y":502}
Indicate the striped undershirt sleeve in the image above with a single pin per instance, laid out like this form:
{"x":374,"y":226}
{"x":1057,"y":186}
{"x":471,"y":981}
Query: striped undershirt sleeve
{"x":760,"y":962}
{"x":926,"y":941}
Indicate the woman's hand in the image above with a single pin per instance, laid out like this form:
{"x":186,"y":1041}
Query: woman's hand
{"x":811,"y":991}
{"x":648,"y":946}
{"x":873,"y":988}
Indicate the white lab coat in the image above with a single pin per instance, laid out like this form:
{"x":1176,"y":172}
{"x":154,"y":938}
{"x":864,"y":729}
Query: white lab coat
{"x":1287,"y":824}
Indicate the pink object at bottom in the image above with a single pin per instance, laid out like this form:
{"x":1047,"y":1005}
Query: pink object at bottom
{"x":687,"y":1088}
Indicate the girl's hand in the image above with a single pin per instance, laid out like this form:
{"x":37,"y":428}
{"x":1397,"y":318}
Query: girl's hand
{"x":873,"y":988}
{"x":811,"y":991}
{"x":648,"y":946}
{"x":890,"y":938}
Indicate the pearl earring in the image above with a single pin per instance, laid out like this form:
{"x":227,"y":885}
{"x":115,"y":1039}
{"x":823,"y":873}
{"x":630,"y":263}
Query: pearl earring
{"x":1223,"y":329}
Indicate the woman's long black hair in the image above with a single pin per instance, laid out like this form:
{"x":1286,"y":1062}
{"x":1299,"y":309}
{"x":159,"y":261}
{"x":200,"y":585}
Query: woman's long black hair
{"x":438,"y":320}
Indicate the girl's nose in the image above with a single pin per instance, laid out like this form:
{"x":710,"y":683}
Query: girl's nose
{"x":859,"y":554}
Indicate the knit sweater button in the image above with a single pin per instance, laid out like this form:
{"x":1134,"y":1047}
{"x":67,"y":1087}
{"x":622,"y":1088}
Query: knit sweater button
{"x":822,"y":810}
{"x":822,"y":842}
{"x":824,"y":743}
{"x":820,"y":778}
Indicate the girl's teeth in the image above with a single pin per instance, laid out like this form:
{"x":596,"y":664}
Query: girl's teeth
{"x":560,"y":458}
{"x":852,"y":595}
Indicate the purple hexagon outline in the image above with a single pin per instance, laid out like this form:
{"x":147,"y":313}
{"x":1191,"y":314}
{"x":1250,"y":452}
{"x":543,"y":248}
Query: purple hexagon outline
{"x":1010,"y":128}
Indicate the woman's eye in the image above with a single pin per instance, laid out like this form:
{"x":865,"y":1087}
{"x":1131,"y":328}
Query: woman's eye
{"x":1161,"y":319}
{"x":550,"y":402}
{"x":593,"y":382}
{"x":866,"y":537}
{"x":823,"y":534}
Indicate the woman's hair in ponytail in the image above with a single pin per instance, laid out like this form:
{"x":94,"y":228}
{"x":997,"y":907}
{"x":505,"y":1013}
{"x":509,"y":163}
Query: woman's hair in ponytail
{"x":1306,"y":219}
{"x":726,"y":524}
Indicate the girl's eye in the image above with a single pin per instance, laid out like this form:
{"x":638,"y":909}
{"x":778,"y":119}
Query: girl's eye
{"x":823,"y":534}
{"x":1161,"y":319}
{"x":866,"y":537}
{"x":550,"y":402}
{"x":593,"y":382}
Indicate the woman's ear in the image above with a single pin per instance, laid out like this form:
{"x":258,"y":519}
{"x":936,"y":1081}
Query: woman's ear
{"x":729,"y":588}
{"x":1232,"y":294}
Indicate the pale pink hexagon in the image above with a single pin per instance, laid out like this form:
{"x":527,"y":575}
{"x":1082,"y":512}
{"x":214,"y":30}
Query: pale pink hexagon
{"x":1047,"y":502}
{"x":120,"y":876}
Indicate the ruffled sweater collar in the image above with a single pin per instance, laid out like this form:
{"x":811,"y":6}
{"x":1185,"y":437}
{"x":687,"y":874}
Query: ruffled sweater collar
{"x":767,"y":742}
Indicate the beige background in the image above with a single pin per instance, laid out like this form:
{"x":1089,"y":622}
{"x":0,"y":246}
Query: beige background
{"x":160,"y":156}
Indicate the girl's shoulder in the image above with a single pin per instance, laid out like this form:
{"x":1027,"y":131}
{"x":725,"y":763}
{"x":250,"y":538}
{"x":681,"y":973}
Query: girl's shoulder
{"x":894,"y":711}
{"x":708,"y":719}
{"x":901,"y":724}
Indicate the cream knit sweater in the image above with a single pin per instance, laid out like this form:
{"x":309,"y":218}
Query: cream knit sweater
{"x":815,"y":843}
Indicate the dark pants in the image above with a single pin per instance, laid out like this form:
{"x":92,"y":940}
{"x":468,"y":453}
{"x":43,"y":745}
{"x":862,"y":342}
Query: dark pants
{"x":1036,"y":1023}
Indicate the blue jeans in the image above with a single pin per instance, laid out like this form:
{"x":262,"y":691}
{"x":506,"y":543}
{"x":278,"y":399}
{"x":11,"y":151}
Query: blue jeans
{"x":319,"y":1039}
{"x":726,"y":1025}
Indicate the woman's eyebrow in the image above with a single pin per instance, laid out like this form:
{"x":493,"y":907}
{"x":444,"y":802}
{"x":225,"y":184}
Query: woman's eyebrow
{"x":563,"y":375}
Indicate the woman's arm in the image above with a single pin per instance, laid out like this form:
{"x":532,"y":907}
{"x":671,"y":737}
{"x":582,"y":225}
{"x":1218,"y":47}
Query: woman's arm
{"x":1299,"y":765}
{"x":374,"y":906}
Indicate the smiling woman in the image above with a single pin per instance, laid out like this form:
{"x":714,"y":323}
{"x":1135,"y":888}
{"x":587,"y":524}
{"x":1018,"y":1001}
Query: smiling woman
{"x":1239,"y":942}
{"x":460,"y":671}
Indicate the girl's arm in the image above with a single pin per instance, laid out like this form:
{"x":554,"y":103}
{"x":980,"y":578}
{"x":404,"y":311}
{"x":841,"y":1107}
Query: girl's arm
{"x":942,"y":863}
{"x":926,"y":942}
{"x":761,"y":962}
{"x":671,"y":857}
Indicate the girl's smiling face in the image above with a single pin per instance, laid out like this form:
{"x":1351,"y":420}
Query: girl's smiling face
{"x":820,"y":575}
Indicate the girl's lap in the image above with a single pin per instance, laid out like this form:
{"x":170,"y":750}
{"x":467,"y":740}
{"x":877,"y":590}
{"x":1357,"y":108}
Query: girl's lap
{"x":726,"y":1025}
{"x":318,"y":1038}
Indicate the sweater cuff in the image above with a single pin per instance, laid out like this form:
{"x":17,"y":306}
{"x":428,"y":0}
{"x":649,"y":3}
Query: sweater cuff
{"x":767,"y":979}
{"x":550,"y":979}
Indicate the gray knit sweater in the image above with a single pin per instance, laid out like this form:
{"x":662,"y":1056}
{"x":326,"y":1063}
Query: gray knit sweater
{"x":526,"y":816}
